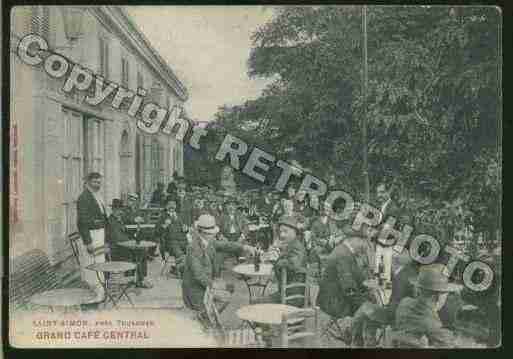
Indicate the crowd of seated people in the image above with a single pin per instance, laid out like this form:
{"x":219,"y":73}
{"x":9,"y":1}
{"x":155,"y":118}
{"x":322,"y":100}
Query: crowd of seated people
{"x":202,"y":228}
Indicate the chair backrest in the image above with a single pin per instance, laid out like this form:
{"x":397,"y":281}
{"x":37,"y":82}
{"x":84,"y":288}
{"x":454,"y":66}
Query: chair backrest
{"x":242,"y":338}
{"x":153,"y":214}
{"x":285,"y":299}
{"x":74,"y":239}
{"x":294,"y":326}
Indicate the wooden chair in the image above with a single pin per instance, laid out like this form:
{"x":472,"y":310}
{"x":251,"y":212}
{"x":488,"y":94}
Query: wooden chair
{"x":298,"y":329}
{"x":152,"y":214}
{"x":74,"y":239}
{"x":242,"y":337}
{"x":285,"y":299}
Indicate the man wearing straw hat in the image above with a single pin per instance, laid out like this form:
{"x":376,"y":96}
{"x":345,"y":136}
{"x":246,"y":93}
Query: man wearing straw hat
{"x":200,"y":263}
{"x":417,"y":318}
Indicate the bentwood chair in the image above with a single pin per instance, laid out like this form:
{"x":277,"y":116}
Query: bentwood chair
{"x":286,"y":299}
{"x":294,"y":327}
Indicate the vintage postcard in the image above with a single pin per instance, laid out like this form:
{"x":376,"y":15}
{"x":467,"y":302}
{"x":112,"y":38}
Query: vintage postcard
{"x":255,"y":176}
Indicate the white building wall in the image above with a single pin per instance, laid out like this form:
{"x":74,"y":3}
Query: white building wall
{"x":36,"y":107}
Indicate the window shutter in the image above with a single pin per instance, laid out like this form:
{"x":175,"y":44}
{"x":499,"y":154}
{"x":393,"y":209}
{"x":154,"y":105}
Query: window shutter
{"x":104,"y":57}
{"x":101,"y":56}
{"x":107,"y":59}
{"x":140,"y":81}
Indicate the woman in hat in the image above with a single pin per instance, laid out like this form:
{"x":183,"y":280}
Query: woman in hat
{"x":418,"y":317}
{"x":200,"y":263}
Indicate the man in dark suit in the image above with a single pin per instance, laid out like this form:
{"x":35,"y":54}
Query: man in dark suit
{"x":132,"y":214}
{"x":116,"y":233}
{"x":376,"y":316}
{"x":418,"y":317}
{"x":159,"y":196}
{"x":341,"y":290}
{"x":184,"y":204}
{"x":91,"y":223}
{"x":292,"y":258}
{"x":171,"y":232}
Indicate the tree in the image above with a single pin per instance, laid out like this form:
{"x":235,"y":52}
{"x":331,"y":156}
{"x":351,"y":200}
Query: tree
{"x":432,"y":103}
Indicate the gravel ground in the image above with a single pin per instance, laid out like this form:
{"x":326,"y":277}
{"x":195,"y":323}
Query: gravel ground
{"x":166,"y":293}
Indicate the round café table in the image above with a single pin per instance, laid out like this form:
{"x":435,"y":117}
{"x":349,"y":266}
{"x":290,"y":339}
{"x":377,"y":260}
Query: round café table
{"x":253,"y":279}
{"x":381,"y":292}
{"x":138,"y":250}
{"x":264,"y":314}
{"x":109,"y":268}
{"x":66,"y":298}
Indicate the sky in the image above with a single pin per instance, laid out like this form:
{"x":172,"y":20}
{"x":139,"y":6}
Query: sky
{"x":207,"y":47}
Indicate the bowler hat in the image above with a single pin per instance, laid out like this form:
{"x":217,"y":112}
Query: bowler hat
{"x":116,"y":203}
{"x":207,"y":224}
{"x":431,"y":277}
{"x":289,"y":222}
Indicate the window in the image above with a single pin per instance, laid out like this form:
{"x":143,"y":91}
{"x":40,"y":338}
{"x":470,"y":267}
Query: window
{"x":14,"y":190}
{"x":125,"y":70}
{"x":95,"y":144}
{"x":157,"y":163}
{"x":104,"y":57}
{"x":177,"y":154}
{"x":140,"y":80}
{"x":73,"y":162}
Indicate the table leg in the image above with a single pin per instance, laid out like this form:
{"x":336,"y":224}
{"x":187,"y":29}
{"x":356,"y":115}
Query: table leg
{"x":138,"y":256}
{"x":124,"y":293}
{"x":260,"y":335}
{"x":105,"y":286}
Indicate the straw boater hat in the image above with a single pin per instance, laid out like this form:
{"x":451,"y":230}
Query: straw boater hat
{"x":207,"y":224}
{"x":431,"y":277}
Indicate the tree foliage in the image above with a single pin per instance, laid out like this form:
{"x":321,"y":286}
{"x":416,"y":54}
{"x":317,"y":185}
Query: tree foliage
{"x":433,"y":100}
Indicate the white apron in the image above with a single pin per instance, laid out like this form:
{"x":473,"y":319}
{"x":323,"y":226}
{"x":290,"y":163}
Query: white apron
{"x":86,"y":259}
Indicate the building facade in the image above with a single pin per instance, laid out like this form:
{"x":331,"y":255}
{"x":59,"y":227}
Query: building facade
{"x":57,"y":138}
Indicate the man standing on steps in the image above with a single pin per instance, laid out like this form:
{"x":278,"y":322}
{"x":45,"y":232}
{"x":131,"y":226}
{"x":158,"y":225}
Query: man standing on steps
{"x":91,"y":223}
